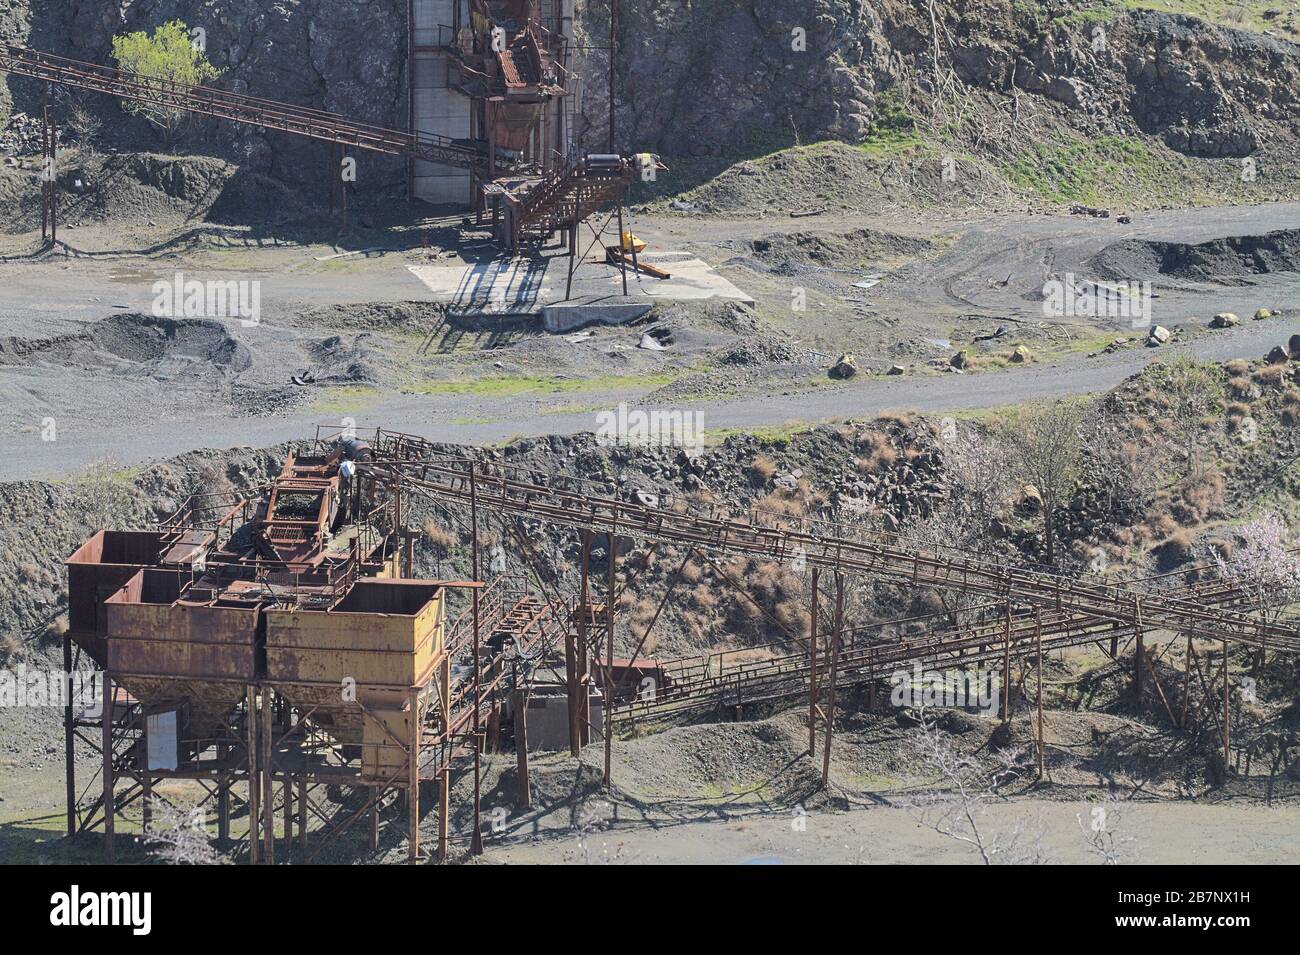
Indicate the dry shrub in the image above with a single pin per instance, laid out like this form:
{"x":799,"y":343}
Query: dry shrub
{"x":1198,"y":495}
{"x":794,"y":617}
{"x":9,"y":646}
{"x":1237,"y":366}
{"x":762,"y":468}
{"x":691,"y":572}
{"x":439,"y":537}
{"x":704,"y":597}
{"x":783,"y":504}
{"x":880,"y":452}
{"x":1162,"y":525}
{"x":1180,"y":543}
{"x":1270,"y":375}
{"x":900,"y":418}
{"x":1238,"y":410}
{"x":1239,"y":386}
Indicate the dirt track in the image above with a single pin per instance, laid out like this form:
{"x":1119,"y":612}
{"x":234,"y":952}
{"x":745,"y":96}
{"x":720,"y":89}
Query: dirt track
{"x":1161,"y":833}
{"x":985,"y":271}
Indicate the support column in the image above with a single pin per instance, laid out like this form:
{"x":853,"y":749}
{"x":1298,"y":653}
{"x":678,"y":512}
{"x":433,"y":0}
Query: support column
{"x":1038,"y":640}
{"x":836,"y":639}
{"x":607,"y":682}
{"x":444,"y":812}
{"x":286,"y":794}
{"x":571,"y":691}
{"x":1139,"y":662}
{"x":223,"y":797}
{"x":413,"y":780}
{"x":106,"y":722}
{"x":584,"y":645}
{"x":268,"y":783}
{"x":302,"y":812}
{"x":69,"y":739}
{"x":622,"y":262}
{"x":1187,"y":681}
{"x":519,"y":705}
{"x":1006,"y":665}
{"x":1227,"y":712}
{"x":374,"y":817}
{"x":476,"y":840}
{"x":254,"y":783}
{"x":573,"y":256}
{"x":812,"y":668}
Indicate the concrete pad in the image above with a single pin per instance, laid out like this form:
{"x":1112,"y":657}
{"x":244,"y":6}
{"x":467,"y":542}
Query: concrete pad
{"x":567,"y":316}
{"x":526,"y":285}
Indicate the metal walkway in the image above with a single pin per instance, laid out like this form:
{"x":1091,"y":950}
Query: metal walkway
{"x":825,"y":545}
{"x":249,"y":110}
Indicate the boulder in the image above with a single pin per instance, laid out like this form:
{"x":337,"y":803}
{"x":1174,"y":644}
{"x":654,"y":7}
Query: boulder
{"x":1293,"y":346}
{"x":1020,"y":354}
{"x":1263,"y":313}
{"x":1031,"y":499}
{"x":1158,"y":335}
{"x":1224,"y":320}
{"x":1277,"y":356}
{"x":845,"y":368}
{"x":897,"y":369}
{"x":959,"y":360}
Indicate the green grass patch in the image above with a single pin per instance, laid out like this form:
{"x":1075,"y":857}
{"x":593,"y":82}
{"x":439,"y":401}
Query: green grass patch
{"x":512,"y":386}
{"x":346,"y":399}
{"x":1100,"y":171}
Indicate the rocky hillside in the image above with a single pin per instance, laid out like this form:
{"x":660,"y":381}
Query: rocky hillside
{"x":708,"y":73}
{"x":1134,"y":505}
{"x":735,"y":78}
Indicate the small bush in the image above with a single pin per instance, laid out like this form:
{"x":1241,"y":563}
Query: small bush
{"x":762,"y":468}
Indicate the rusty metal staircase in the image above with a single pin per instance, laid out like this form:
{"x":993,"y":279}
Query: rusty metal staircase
{"x":566,"y":198}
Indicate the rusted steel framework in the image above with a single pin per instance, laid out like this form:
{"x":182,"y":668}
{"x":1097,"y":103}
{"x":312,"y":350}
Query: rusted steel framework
{"x":829,"y":546}
{"x":267,"y":741}
{"x":238,"y":108}
{"x":1036,"y":611}
{"x":273,"y":650}
{"x":713,"y":680}
{"x":510,"y":97}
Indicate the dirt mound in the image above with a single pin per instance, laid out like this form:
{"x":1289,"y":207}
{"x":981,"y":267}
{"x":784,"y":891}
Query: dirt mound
{"x":142,"y":187}
{"x":833,"y":176}
{"x":781,"y":251}
{"x":1228,"y":261}
{"x":336,"y":360}
{"x":132,"y":343}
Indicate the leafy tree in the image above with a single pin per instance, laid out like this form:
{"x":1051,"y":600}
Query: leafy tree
{"x":159,"y":61}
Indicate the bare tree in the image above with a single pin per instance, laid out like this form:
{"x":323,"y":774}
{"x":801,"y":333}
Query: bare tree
{"x":973,"y":492}
{"x":974,"y":489}
{"x":966,"y":785}
{"x":180,"y":836}
{"x":1046,"y":450}
{"x":1103,"y":831}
